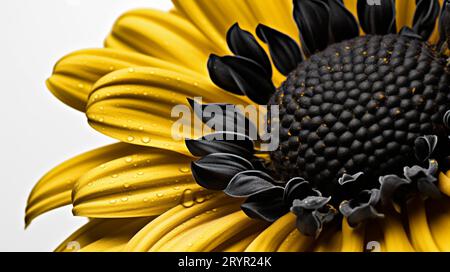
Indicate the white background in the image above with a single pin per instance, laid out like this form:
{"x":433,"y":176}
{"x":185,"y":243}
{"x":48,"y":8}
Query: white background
{"x":37,"y":131}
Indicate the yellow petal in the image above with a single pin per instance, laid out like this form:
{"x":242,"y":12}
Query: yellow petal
{"x":103,"y":235}
{"x":208,"y":236}
{"x":54,"y":189}
{"x":329,"y":241}
{"x":420,"y":234}
{"x":444,"y":183}
{"x":438,"y":214}
{"x":75,"y":74}
{"x":271,"y":238}
{"x":352,"y":238}
{"x":143,"y":184}
{"x":296,"y":242}
{"x":395,"y":237}
{"x":134,"y":105}
{"x":241,"y":245}
{"x":405,"y":12}
{"x":162,"y":35}
{"x":160,"y":230}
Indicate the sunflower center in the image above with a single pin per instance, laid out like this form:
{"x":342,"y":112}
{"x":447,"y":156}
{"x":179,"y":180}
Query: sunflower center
{"x":358,"y":106}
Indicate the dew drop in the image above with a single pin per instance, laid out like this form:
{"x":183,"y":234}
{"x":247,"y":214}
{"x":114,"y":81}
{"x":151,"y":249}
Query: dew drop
{"x":131,"y":70}
{"x":130,"y":138}
{"x":159,"y":194}
{"x":199,"y":199}
{"x":114,"y":176}
{"x":113,"y":201}
{"x":185,"y":169}
{"x":145,"y":140}
{"x":126,"y":186}
{"x":187,"y":198}
{"x":124,"y":199}
{"x":128,"y":159}
{"x":145,"y":199}
{"x":140,"y":173}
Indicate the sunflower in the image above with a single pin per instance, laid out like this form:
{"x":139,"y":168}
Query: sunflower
{"x":362,"y":88}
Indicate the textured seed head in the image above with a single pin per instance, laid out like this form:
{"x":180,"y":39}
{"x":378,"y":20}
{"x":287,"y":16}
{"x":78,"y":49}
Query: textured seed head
{"x":358,"y":106}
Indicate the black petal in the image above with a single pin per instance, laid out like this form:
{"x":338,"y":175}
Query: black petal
{"x":389,"y":185}
{"x":417,"y":172}
{"x":446,"y":119}
{"x":377,"y":19}
{"x":284,"y":50}
{"x":425,"y":17}
{"x":425,"y":179}
{"x":424,"y":146}
{"x":408,"y":32}
{"x":216,"y":170}
{"x":247,"y":183}
{"x":220,"y":74}
{"x":267,"y":205}
{"x":221,"y":142}
{"x":231,"y":119}
{"x":242,"y":43}
{"x":298,"y":188}
{"x":346,"y":178}
{"x":444,"y":25}
{"x":312,"y":202}
{"x":313,"y":21}
{"x":343,"y":24}
{"x":362,"y":208}
{"x":310,"y":222}
{"x":241,"y":75}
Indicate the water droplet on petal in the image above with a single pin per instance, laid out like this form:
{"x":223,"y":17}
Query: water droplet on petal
{"x":128,"y":159}
{"x":145,"y":140}
{"x":130,"y":138}
{"x":187,"y":199}
{"x":113,"y":201}
{"x":185,"y":169}
{"x":159,"y":194}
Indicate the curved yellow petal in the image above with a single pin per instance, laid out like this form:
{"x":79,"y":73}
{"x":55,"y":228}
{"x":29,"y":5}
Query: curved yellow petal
{"x":208,"y":236}
{"x":352,"y":238}
{"x":438,"y":214}
{"x":134,"y":105}
{"x":102,"y":235}
{"x":143,"y":184}
{"x":444,"y":183}
{"x":330,"y":242}
{"x":54,"y":189}
{"x":272,"y":237}
{"x":75,"y":74}
{"x":405,"y":12}
{"x":156,"y":233}
{"x":296,"y":242}
{"x":419,"y":230}
{"x":395,"y":237}
{"x":241,"y":245}
{"x":162,"y":35}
